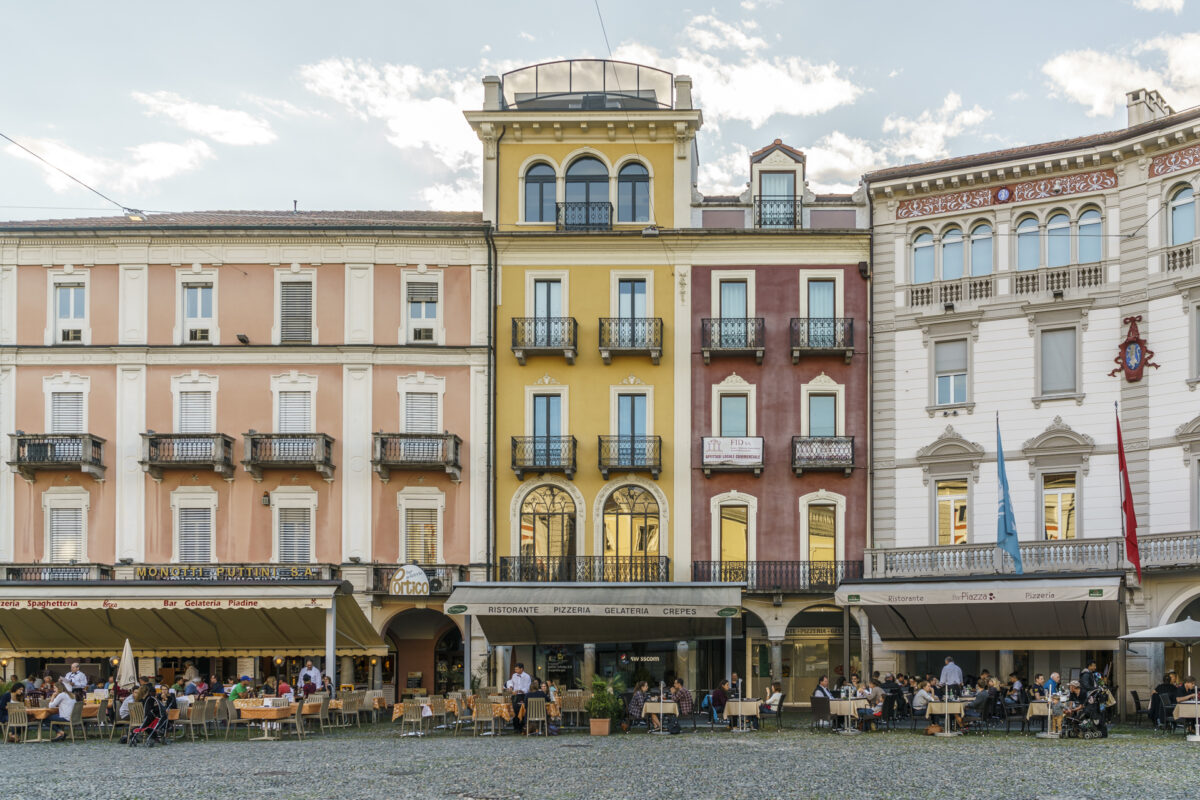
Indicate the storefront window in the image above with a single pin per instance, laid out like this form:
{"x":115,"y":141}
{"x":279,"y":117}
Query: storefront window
{"x":812,"y":648}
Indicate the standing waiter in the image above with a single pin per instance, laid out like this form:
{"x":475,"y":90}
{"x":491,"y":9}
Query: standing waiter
{"x":519,"y":683}
{"x":76,"y":681}
{"x":952,"y":677}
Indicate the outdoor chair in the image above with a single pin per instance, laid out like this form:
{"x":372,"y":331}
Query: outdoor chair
{"x":779,"y":712}
{"x":571,"y":706}
{"x":232,"y":720}
{"x":295,"y":722}
{"x":18,"y":719}
{"x":1166,"y":713}
{"x":918,"y":716}
{"x":1139,"y":713}
{"x":437,"y":711}
{"x":819,"y":707}
{"x":137,"y":715}
{"x":95,"y":722}
{"x":535,"y":714}
{"x":412,"y":720}
{"x":348,"y":713}
{"x":465,"y":715}
{"x":369,"y":705}
{"x":485,"y":716}
{"x":1015,"y":712}
{"x":199,"y":718}
{"x":76,"y":721}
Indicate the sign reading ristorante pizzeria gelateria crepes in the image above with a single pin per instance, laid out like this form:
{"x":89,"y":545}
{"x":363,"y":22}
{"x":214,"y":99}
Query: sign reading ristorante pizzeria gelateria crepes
{"x":232,"y":572}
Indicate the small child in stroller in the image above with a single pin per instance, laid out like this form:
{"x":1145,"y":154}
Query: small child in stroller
{"x":153,"y":729}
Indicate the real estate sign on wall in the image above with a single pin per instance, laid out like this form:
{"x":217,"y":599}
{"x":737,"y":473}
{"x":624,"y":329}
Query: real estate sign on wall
{"x":733,"y":450}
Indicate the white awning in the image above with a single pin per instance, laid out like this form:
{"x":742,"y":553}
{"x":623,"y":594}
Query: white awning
{"x":578,"y":613}
{"x":1011,"y":608}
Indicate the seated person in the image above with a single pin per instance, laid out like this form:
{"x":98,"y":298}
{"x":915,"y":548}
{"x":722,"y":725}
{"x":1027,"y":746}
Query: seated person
{"x":922,"y":699}
{"x":772,"y":703}
{"x":868,"y":716}
{"x":63,"y":703}
{"x":14,"y":695}
{"x":215,"y":686}
{"x":683,"y":698}
{"x":241,"y":689}
{"x":1187,"y":692}
{"x":1012,"y":698}
{"x":981,"y":704}
{"x":718,"y":699}
{"x":822,"y":689}
{"x":1037,"y":690}
{"x":1052,"y":683}
{"x":633,"y":713}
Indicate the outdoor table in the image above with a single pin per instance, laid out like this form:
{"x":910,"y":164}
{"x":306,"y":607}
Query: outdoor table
{"x":741,"y":709}
{"x":39,"y":714}
{"x":943,"y":708}
{"x":849,"y":710}
{"x":504,"y":711}
{"x":267,"y":714}
{"x":660,"y":707}
{"x":1041,"y":708}
{"x":90,"y":712}
{"x":1190,"y":710}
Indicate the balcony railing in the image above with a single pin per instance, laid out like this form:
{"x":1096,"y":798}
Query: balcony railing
{"x":630,"y":454}
{"x":32,"y":452}
{"x":1058,"y":279}
{"x":631,"y":336}
{"x":441,"y":577}
{"x":163,"y":451}
{"x":1181,"y":257}
{"x":51,"y":573}
{"x":416,"y":451}
{"x":543,"y":454}
{"x":812,"y":335}
{"x":725,"y":336}
{"x":822,"y":453}
{"x":778,"y":576}
{"x":731,"y":454}
{"x":288,"y":451}
{"x":585,"y":569}
{"x":584,"y":216}
{"x":776,"y":211}
{"x":968,"y":291}
{"x":545,"y":336}
{"x":1074,"y":555}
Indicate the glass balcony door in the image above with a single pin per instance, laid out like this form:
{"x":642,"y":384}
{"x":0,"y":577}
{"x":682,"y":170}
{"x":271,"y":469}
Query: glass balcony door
{"x":631,"y":429}
{"x":547,"y":428}
{"x":821,"y":314}
{"x":547,"y":309}
{"x":631,"y":310}
{"x":777,"y":201}
{"x":732,"y":327}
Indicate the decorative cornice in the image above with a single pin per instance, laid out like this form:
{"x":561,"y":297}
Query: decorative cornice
{"x":1188,"y":436}
{"x":546,"y":380}
{"x":734,"y":380}
{"x":1040,"y":189}
{"x":950,"y":452}
{"x":1174,"y":161}
{"x":1059,"y":445}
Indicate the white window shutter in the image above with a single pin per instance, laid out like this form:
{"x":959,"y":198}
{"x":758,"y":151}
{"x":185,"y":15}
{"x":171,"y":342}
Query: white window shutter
{"x":66,"y":412}
{"x":422,"y":292}
{"x":66,"y":535}
{"x":421,"y":412}
{"x":295,"y":412}
{"x":195,"y":535}
{"x":295,"y":535}
{"x":295,"y":311}
{"x":420,"y":536}
{"x":195,"y":412}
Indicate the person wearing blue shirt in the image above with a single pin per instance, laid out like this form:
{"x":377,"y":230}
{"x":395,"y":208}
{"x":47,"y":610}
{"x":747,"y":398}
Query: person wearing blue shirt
{"x":1052,"y":684}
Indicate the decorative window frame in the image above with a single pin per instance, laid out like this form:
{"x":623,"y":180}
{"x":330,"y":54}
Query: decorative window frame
{"x":614,"y":292}
{"x":969,"y":239}
{"x":424,"y":498}
{"x":950,"y":456}
{"x":194,"y":497}
{"x":423,"y":274}
{"x":964,"y":325}
{"x":823,"y":385}
{"x":294,"y":497}
{"x":66,"y":382}
{"x":1189,"y":293}
{"x":69,"y":274}
{"x":839,"y":294}
{"x":719,"y":275}
{"x":1188,"y":437}
{"x":630,"y":385}
{"x":538,"y":158}
{"x":549,"y":386}
{"x":421,"y":382}
{"x":910,"y":246}
{"x":65,"y":497}
{"x":664,"y":511}
{"x":195,"y":274}
{"x":518,"y":499}
{"x":1057,"y":316}
{"x":735,"y":384}
{"x":561,"y":275}
{"x":821,"y":497}
{"x":971,"y":478}
{"x":1057,"y":449}
{"x":1169,"y":188}
{"x":194,"y":381}
{"x":614,"y":190}
{"x":293,"y":382}
{"x":294,"y":274}
{"x":734,"y":498}
{"x":1019,"y":216}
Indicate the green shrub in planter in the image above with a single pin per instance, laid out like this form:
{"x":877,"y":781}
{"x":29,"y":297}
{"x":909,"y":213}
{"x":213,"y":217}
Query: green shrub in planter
{"x":605,"y":702}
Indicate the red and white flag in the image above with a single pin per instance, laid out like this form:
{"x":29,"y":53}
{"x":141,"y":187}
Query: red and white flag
{"x":1128,"y":518}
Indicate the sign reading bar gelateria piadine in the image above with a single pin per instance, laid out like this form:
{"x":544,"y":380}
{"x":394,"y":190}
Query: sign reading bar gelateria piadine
{"x":160,"y":603}
{"x":234,"y":572}
{"x":586,"y":610}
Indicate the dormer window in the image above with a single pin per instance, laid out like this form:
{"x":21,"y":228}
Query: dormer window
{"x":777,"y":200}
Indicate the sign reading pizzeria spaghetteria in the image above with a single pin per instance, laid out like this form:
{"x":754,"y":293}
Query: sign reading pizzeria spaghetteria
{"x":217,"y":574}
{"x":588,"y":610}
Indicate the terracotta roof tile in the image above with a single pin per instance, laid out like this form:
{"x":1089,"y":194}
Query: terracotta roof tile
{"x":259,"y":219}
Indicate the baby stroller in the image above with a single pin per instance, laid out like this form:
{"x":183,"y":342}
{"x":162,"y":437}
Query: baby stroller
{"x":1087,"y":721}
{"x":155,"y":728}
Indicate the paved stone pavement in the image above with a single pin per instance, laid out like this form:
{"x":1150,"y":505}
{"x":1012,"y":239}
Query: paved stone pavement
{"x":377,"y":763}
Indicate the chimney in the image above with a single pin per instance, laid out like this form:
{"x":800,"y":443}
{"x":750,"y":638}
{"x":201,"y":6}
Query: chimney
{"x":491,"y":93}
{"x":683,"y":92}
{"x":1146,"y":105}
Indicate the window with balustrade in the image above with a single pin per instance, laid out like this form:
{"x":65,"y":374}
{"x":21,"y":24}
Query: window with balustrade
{"x":547,"y":524}
{"x":1059,"y":506}
{"x":1182,"y":211}
{"x":631,"y":524}
{"x":952,"y":500}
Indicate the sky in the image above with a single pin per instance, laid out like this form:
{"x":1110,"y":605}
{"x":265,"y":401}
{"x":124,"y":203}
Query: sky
{"x":354,"y":105}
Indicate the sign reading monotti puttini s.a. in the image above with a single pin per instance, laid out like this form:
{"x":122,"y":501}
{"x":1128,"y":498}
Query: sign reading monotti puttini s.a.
{"x":588,"y":610}
{"x":409,"y":581}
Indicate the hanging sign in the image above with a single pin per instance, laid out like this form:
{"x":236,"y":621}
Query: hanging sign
{"x":733,"y":450}
{"x":1133,"y":356}
{"x":409,"y":581}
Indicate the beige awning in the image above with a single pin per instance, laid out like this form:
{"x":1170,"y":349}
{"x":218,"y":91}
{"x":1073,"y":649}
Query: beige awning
{"x":1080,"y":608}
{"x":92,"y":620}
{"x":580,"y":613}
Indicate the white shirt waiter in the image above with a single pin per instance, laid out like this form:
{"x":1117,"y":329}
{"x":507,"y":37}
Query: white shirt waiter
{"x":75,"y":679}
{"x":951,"y":674}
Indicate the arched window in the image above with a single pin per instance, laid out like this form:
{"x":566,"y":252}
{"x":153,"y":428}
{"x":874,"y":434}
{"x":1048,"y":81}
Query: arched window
{"x":539,"y":193}
{"x":587,"y":194}
{"x":981,"y":249}
{"x":1029,"y":253}
{"x":1183,"y":216}
{"x":1058,"y":241}
{"x":952,"y":254}
{"x":631,"y":543}
{"x":923,"y":258}
{"x":1090,"y":242}
{"x":548,"y":527}
{"x":633,"y":193}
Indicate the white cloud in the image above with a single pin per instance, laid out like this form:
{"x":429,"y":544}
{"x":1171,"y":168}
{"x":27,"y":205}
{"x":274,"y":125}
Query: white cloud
{"x":1159,"y":5}
{"x":282,"y":108}
{"x":836,"y":162}
{"x":461,"y":194}
{"x":725,"y":174}
{"x":895,"y":73}
{"x":709,"y":33}
{"x":924,"y":138}
{"x":219,"y":124}
{"x":529,"y":37}
{"x":146,"y":163}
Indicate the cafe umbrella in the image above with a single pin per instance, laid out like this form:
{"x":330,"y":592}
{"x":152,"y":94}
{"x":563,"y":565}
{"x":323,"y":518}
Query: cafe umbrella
{"x":126,"y":671}
{"x":1184,"y":634}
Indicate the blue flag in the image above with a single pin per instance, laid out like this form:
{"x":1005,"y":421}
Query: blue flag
{"x":1006,"y":522}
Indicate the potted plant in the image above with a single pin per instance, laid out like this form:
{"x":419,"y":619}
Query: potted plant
{"x":605,"y":706}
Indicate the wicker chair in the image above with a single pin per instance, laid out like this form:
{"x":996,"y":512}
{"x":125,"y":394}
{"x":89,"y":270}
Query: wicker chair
{"x":76,"y":721}
{"x":437,"y":708}
{"x":484,"y":715}
{"x":413,"y":722}
{"x":296,"y":722}
{"x":17,"y":719}
{"x":137,"y":715}
{"x":465,"y":715}
{"x":232,"y":719}
{"x":535,"y":714}
{"x":199,"y":718}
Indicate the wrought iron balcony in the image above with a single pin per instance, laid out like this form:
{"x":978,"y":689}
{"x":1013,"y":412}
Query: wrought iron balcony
{"x":34,"y":452}
{"x":584,"y":216}
{"x":288,"y":451}
{"x":733,"y":336}
{"x":584,"y":569}
{"x":543,"y":454}
{"x":545,"y":336}
{"x":822,"y":453}
{"x":416,"y":451}
{"x":630,"y":454}
{"x":442,"y":578}
{"x":162,"y":451}
{"x":631,"y":336}
{"x":814,"y":335}
{"x":778,"y":576}
{"x":731,"y":454}
{"x":777,"y":211}
{"x":51,"y":573}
